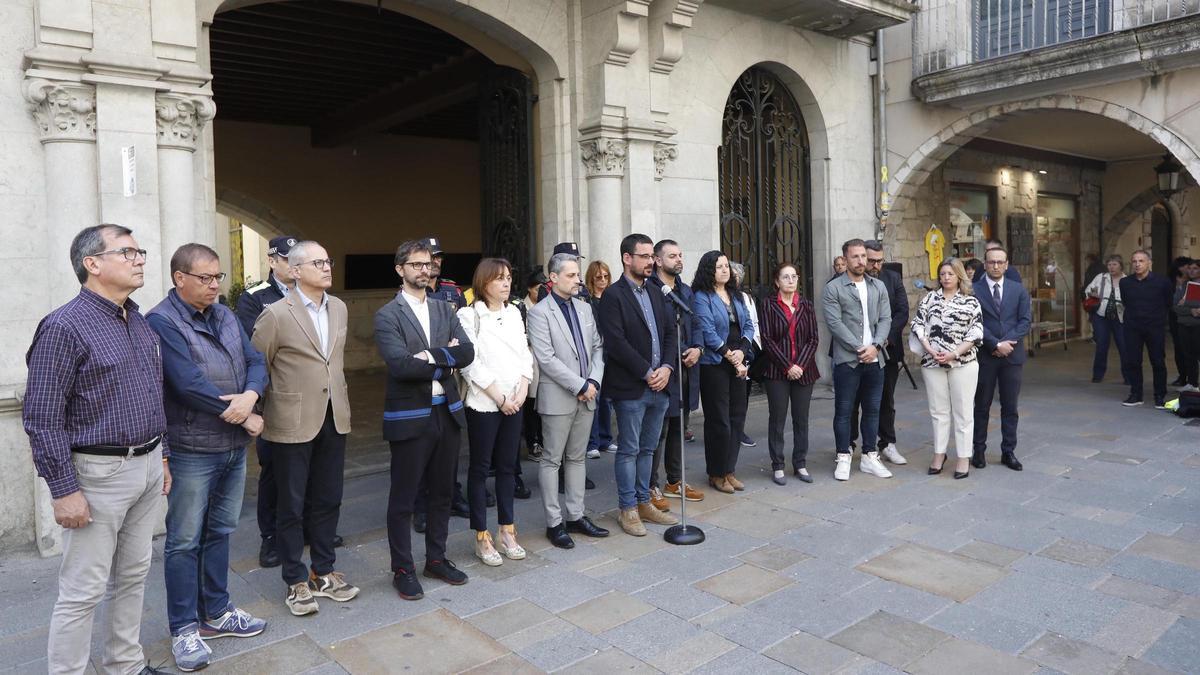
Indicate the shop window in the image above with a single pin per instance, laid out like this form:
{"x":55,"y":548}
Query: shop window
{"x":972,"y":214}
{"x":1056,"y":236}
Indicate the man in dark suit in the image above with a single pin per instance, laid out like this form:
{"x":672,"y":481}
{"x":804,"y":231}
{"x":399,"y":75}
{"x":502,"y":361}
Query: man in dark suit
{"x":1006,"y":321}
{"x":898,"y":300}
{"x":422,"y":343}
{"x":639,"y":350}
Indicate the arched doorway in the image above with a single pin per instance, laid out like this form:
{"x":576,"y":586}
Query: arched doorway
{"x":764,"y":184}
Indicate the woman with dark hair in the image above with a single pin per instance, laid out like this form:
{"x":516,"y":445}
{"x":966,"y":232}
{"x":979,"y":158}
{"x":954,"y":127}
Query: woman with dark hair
{"x":790,"y":340}
{"x":497,"y":384}
{"x":722,"y":321}
{"x":596,"y":279}
{"x":974,"y":269}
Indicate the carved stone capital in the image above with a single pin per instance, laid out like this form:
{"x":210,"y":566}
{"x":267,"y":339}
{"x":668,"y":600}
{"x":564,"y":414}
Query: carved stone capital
{"x":64,"y":111}
{"x":663,"y":153}
{"x":604,"y":156}
{"x":181,"y":118}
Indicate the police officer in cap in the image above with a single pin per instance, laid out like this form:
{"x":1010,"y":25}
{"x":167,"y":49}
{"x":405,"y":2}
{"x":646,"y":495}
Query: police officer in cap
{"x":570,"y":248}
{"x":250,"y":304}
{"x":441,"y":288}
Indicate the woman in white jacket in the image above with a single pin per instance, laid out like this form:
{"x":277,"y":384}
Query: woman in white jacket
{"x":1107,"y":319}
{"x":497,"y":384}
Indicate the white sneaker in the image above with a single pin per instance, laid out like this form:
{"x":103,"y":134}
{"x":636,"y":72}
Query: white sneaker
{"x":1188,"y":387}
{"x":842,"y":470}
{"x":891,"y":454}
{"x":593,"y":453}
{"x":869,"y":463}
{"x":612,"y":447}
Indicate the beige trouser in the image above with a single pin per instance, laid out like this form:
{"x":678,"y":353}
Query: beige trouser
{"x":566,"y":438}
{"x":951,"y":394}
{"x":107,"y":559}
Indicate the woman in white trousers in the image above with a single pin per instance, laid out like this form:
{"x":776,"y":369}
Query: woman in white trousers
{"x":948,"y":325}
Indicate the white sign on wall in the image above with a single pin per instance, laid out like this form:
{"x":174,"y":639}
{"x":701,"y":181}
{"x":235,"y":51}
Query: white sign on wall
{"x":128,"y":171}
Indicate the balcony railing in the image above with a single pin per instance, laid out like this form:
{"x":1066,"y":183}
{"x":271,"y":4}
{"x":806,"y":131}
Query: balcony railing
{"x":952,"y":33}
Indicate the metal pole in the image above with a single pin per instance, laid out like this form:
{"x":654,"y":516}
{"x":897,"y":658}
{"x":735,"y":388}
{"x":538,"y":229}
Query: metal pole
{"x":681,"y":534}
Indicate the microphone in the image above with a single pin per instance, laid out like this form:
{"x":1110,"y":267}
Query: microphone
{"x":679,"y":304}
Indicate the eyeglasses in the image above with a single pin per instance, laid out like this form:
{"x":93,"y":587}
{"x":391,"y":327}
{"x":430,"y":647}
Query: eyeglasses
{"x":875,"y":261}
{"x":319,"y":263}
{"x":130,"y":254}
{"x":418,"y":266}
{"x":642,"y":256}
{"x":996,"y":263}
{"x":207,"y":279}
{"x":789,"y":277}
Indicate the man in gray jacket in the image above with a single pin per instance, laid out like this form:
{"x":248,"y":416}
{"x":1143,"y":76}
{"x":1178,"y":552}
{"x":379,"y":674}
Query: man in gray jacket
{"x":859,"y":317}
{"x":570,"y":356}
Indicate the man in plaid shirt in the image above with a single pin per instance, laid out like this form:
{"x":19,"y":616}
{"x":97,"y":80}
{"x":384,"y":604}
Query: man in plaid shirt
{"x":94,"y":415}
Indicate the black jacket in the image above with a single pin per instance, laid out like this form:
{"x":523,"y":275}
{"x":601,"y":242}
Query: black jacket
{"x":899,"y":301}
{"x":251,"y":302}
{"x":627,"y":343}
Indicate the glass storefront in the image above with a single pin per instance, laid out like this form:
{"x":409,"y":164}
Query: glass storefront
{"x":1056,"y":236}
{"x":972,"y":214}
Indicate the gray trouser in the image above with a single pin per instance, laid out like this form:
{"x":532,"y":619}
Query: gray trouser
{"x":566,"y":439}
{"x":107,"y":559}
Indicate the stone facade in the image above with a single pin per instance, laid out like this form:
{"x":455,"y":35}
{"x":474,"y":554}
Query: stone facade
{"x":106,"y":116}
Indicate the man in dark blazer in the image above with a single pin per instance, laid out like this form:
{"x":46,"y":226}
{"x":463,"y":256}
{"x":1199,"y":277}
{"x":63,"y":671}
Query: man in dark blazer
{"x":639,"y":353}
{"x":1006,"y":321}
{"x":898,"y":300}
{"x":422,"y":344}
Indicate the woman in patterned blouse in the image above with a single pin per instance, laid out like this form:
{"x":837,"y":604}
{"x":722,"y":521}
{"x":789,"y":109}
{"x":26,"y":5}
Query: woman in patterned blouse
{"x":949,"y":325}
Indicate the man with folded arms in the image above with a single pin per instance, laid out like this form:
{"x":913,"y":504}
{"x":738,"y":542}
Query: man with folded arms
{"x":94,"y":415}
{"x":566,"y":344}
{"x":213,"y":377}
{"x":307,"y":418}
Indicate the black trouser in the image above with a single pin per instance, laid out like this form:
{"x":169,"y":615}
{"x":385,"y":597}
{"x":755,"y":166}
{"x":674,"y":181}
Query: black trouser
{"x":419,"y":503}
{"x":782,"y":395}
{"x":309,"y":474}
{"x":1139,"y":335}
{"x":887,"y":407}
{"x":268,"y":494}
{"x":1189,"y":338}
{"x":494,"y":439}
{"x":993,"y":372}
{"x":428,"y":458}
{"x":1177,"y":342}
{"x":533,"y":424}
{"x":671,"y":445}
{"x":723,"y":396}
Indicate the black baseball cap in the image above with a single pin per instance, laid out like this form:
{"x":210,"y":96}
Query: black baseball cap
{"x":434,"y":244}
{"x":568,"y":247}
{"x":280,"y":246}
{"x":536,"y":277}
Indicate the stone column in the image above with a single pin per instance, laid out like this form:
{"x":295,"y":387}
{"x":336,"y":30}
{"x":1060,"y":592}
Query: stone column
{"x":180,"y":120}
{"x":604,"y":161}
{"x":66,"y":114}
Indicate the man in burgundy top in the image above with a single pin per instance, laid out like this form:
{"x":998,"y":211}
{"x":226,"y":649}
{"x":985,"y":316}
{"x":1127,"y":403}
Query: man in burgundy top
{"x":94,"y":415}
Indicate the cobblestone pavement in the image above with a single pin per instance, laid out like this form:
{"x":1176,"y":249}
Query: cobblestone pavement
{"x":1086,"y":562}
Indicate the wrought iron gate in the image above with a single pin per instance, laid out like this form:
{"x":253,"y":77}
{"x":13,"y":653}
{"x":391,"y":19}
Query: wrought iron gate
{"x":764,"y":182}
{"x":506,"y":168}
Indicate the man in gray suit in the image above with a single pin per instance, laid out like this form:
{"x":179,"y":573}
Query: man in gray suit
{"x":859,"y":317}
{"x":569,"y":353}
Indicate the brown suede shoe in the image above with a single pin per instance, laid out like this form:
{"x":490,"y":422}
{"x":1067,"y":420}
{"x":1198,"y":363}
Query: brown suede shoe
{"x":691,"y":493}
{"x":658,"y":500}
{"x":631,"y":523}
{"x":720,"y":484}
{"x":735,"y":483}
{"x":648,"y":513}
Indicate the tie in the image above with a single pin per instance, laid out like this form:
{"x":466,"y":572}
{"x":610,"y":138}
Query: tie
{"x":996,"y":294}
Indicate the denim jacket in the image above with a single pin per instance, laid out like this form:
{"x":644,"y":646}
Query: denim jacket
{"x":710,"y":325}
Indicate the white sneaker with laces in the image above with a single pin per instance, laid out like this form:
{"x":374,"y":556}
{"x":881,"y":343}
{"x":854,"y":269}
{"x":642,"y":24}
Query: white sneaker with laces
{"x":891,"y":454}
{"x":870,"y":463}
{"x":189,"y":650}
{"x":1188,"y":387}
{"x":593,"y":453}
{"x":842,"y":470}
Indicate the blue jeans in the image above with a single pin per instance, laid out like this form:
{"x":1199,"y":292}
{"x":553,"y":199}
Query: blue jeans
{"x":202,"y":511}
{"x":1105,"y":331}
{"x":849,"y":382}
{"x":639,"y":423}
{"x":601,"y":425}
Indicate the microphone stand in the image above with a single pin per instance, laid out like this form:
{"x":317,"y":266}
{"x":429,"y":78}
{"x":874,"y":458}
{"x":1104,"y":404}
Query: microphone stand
{"x":681,"y":534}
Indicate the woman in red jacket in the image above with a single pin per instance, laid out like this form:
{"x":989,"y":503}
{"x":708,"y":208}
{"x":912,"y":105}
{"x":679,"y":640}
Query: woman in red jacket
{"x":789,"y":336}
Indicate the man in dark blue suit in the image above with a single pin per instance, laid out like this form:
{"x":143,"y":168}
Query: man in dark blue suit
{"x":1006,"y":321}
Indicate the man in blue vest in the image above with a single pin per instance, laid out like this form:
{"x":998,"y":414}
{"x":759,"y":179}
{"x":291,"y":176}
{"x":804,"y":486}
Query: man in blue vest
{"x":212,"y":378}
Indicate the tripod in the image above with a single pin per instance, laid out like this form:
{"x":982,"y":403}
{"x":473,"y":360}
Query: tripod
{"x":681,"y":534}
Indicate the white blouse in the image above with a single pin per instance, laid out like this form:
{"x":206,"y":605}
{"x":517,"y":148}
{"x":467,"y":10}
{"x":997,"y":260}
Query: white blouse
{"x":502,"y":355}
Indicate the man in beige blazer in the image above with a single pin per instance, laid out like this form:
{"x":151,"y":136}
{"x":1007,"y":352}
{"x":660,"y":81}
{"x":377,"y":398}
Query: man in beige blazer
{"x":306,"y":415}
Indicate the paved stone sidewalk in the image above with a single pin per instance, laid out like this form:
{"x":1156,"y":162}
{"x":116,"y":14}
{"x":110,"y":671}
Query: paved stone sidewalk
{"x":1086,"y":562}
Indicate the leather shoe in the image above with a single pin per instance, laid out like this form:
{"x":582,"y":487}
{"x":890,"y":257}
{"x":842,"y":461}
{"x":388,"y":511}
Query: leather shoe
{"x":419,"y":523}
{"x":521,"y":492}
{"x":407,"y":586}
{"x":1010,"y":460}
{"x":459,"y":507}
{"x":979,"y":460}
{"x":268,"y":555}
{"x":586,"y":527}
{"x":559,"y":537}
{"x":589,"y":484}
{"x":446,"y":571}
{"x":338,"y":542}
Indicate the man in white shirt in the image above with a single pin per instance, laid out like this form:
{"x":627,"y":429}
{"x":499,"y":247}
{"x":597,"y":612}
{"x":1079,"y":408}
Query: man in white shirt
{"x":859,"y":316}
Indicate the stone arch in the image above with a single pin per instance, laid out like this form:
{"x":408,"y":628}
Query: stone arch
{"x":257,"y":215}
{"x":916,"y":169}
